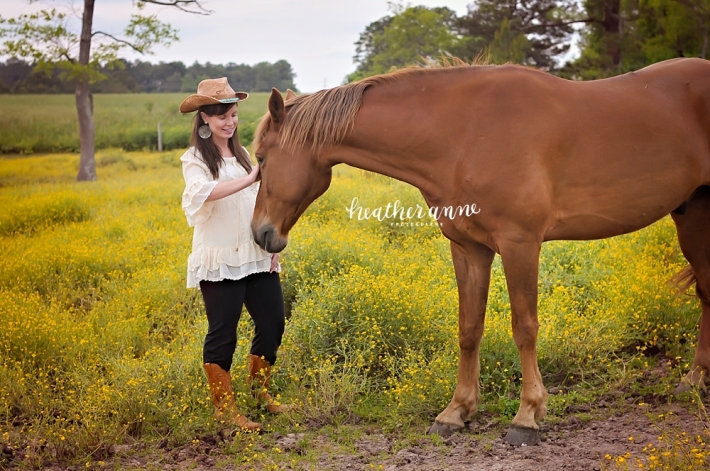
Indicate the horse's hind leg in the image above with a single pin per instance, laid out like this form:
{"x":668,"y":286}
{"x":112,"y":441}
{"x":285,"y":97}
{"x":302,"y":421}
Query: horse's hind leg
{"x":694,"y":237}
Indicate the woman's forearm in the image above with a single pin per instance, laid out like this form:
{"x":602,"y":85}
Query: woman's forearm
{"x":228,"y":188}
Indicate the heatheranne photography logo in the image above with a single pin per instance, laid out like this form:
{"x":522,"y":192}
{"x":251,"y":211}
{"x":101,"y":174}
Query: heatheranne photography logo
{"x":399,"y":215}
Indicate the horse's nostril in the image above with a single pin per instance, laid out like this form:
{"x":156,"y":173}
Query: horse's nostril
{"x":261,"y":235}
{"x":268,"y":238}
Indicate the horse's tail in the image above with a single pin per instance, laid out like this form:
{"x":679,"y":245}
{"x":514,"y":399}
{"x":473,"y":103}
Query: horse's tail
{"x":684,"y":279}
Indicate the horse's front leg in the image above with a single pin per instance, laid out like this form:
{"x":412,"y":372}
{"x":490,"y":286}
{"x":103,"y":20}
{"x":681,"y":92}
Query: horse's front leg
{"x":473,"y":275}
{"x":521,"y":262}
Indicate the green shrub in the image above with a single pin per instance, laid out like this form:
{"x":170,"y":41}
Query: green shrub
{"x":176,"y":137}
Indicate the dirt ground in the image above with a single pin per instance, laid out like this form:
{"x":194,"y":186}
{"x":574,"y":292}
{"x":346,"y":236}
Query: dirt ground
{"x":577,"y":443}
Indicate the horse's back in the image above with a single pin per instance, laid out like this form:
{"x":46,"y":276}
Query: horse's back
{"x":683,"y":83}
{"x":688,"y":68}
{"x":606,"y":157}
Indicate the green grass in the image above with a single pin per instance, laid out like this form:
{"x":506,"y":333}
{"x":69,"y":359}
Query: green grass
{"x":48,"y":123}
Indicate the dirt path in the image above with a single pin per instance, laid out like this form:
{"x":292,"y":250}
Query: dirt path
{"x":578,"y":443}
{"x":571,"y":445}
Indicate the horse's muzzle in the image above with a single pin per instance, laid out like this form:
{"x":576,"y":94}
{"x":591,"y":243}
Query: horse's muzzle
{"x":268,"y":238}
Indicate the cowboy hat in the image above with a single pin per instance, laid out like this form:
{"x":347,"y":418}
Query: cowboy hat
{"x":212,"y":92}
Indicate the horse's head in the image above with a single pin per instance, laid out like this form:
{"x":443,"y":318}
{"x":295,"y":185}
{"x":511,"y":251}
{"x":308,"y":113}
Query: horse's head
{"x":291,"y":177}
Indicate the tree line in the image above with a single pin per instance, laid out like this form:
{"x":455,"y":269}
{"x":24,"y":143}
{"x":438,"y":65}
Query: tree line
{"x":121,"y":76}
{"x":615,"y":36}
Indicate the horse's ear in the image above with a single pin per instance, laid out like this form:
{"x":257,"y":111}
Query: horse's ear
{"x":276,"y":107}
{"x":290,"y":94}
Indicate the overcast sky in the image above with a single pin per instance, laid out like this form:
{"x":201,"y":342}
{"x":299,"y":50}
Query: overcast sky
{"x":317,"y":37}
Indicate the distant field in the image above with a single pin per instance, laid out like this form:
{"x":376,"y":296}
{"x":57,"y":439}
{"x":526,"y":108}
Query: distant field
{"x":48,"y":123}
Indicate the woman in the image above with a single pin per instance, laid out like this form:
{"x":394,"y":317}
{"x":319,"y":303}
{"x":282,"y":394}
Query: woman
{"x":230,"y":269}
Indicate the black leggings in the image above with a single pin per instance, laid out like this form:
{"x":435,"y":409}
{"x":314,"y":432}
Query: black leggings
{"x":261,"y":294}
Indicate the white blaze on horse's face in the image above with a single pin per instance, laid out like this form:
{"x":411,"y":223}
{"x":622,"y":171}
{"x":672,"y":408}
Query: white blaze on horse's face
{"x":290,"y":181}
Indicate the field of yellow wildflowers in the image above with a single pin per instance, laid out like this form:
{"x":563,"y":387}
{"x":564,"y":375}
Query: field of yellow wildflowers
{"x":101,"y":342}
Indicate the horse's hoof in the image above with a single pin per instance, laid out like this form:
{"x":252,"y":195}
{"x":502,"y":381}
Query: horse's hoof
{"x":523,"y":436}
{"x":444,"y":430}
{"x":683,"y":387}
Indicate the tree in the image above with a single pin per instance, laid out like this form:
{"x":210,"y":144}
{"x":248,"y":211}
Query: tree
{"x":47,"y":39}
{"x":367,"y":47}
{"x":625,"y":36}
{"x":135,"y":77}
{"x":279,"y":75}
{"x":530,"y":32}
{"x":674,"y":28}
{"x":701,"y":9}
{"x":404,"y":38}
{"x":13,"y":71}
{"x":508,"y":45}
{"x":608,"y":43}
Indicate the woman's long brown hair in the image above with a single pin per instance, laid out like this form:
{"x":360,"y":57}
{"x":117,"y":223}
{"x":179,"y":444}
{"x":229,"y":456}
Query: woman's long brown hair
{"x":208,"y":149}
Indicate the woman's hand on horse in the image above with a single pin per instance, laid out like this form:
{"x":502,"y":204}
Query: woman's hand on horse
{"x":229,"y":187}
{"x":274,"y":262}
{"x":254,"y":175}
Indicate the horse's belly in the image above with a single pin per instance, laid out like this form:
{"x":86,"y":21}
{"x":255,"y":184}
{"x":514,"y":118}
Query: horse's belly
{"x":599,"y":226}
{"x":619,"y":192}
{"x":616,"y":209}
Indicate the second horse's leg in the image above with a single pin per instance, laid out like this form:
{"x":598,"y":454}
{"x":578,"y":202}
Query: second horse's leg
{"x":694,"y":237}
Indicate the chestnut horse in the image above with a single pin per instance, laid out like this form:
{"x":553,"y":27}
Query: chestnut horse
{"x":543,"y":158}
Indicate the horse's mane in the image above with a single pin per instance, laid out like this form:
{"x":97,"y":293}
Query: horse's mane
{"x":326,"y":116}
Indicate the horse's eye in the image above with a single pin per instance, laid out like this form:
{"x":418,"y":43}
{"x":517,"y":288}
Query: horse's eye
{"x":260,"y":160}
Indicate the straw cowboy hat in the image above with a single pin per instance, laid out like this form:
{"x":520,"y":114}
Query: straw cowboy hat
{"x":212,"y":92}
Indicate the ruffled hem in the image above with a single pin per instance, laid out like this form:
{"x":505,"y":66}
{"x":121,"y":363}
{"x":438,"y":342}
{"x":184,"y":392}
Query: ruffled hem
{"x":226,"y":272}
{"x":215,"y":263}
{"x":211,"y":258}
{"x":194,"y":201}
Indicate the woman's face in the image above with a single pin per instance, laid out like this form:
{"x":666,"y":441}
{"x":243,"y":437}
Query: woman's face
{"x":224,"y":125}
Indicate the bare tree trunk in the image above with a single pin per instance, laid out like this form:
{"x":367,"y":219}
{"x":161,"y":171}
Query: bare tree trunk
{"x":613,"y":29}
{"x":84,"y":100}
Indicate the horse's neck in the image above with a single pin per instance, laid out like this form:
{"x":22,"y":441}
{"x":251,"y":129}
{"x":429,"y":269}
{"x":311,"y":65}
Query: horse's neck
{"x":384,"y":163}
{"x":391,"y":136}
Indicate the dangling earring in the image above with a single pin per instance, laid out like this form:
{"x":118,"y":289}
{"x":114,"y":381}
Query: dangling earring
{"x":204,"y":131}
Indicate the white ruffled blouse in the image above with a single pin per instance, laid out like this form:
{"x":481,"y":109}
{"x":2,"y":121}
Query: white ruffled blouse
{"x":223,"y":246}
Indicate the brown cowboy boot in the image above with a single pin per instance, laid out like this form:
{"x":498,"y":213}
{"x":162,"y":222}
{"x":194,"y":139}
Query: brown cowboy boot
{"x":259,"y":379}
{"x":225,"y":407}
